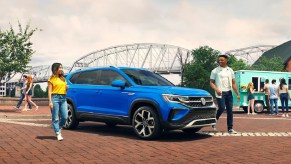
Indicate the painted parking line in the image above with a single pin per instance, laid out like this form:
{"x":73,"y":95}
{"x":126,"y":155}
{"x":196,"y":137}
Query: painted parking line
{"x":247,"y":134}
{"x":210,"y":133}
{"x":259,"y":118}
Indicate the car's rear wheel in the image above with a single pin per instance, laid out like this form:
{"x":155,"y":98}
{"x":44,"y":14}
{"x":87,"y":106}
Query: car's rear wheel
{"x":259,"y":107}
{"x":191,"y":130}
{"x":146,"y":123}
{"x":72,"y":121}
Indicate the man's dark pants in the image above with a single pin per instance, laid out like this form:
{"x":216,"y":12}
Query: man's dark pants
{"x":267,"y":103}
{"x":225,"y":102}
{"x":22,"y":96}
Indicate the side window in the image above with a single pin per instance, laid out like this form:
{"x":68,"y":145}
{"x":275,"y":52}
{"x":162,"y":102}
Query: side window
{"x":87,"y":77}
{"x":74,"y":78}
{"x":107,"y":76}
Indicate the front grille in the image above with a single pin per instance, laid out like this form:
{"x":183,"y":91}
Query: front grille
{"x":197,"y":114}
{"x":196,"y":102}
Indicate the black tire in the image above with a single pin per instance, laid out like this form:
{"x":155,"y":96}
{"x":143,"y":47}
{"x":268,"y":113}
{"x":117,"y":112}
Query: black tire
{"x":72,"y":121}
{"x":110,"y":124}
{"x":146,"y":123}
{"x":191,"y":130}
{"x":259,"y":107}
{"x":245,"y":108}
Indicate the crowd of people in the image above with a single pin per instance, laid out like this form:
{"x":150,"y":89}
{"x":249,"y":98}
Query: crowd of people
{"x":222,"y":81}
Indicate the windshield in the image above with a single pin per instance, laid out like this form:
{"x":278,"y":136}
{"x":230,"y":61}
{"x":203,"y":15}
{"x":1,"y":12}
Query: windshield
{"x":147,"y":78}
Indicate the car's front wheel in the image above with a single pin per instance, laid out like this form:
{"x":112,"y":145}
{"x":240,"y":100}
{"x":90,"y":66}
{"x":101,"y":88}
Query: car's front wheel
{"x":146,"y":123}
{"x":72,"y":121}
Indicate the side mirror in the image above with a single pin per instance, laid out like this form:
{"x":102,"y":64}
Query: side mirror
{"x":118,"y":83}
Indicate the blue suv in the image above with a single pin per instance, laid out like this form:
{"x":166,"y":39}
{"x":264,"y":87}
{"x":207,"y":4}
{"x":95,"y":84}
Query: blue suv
{"x":137,"y":97}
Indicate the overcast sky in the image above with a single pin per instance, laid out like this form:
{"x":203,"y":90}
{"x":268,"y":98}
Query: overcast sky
{"x":72,"y":29}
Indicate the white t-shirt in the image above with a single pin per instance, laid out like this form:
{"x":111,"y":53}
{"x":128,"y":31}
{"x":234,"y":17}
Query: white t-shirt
{"x":273,"y":91}
{"x":223,"y":78}
{"x":283,"y":90}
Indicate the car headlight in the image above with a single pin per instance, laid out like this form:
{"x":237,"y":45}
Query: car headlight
{"x":175,"y":98}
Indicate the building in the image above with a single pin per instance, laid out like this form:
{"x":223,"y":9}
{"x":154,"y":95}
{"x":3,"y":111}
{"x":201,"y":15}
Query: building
{"x":283,"y":51}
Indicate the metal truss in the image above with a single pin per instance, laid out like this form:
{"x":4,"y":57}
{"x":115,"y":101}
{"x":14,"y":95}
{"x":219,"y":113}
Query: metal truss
{"x":42,"y":73}
{"x":250,"y":54}
{"x":160,"y":58}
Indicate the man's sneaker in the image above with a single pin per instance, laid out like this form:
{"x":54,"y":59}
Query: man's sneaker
{"x":214,"y":127}
{"x":59,"y":137}
{"x":283,"y":115}
{"x":287,"y":115}
{"x":231,"y":131}
{"x":16,"y":108}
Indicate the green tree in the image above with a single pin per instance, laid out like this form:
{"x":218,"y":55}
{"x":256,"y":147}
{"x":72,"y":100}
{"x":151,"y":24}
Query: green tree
{"x":238,"y":64}
{"x":38,"y":92}
{"x":15,"y":50}
{"x":269,"y":64}
{"x":197,"y":73}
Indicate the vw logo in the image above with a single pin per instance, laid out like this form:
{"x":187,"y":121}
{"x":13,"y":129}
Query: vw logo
{"x":203,"y":102}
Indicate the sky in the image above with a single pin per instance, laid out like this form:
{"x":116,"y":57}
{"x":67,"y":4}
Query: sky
{"x":71,"y":29}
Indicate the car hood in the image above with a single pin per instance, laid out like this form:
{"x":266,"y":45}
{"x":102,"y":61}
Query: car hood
{"x":177,"y":90}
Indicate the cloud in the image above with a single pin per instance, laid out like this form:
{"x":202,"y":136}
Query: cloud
{"x":72,"y":28}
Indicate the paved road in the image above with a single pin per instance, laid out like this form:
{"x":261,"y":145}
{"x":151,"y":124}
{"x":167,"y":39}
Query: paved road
{"x":26,"y":137}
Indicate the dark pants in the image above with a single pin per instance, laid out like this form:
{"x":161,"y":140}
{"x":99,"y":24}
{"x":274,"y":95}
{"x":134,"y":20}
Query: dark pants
{"x":284,"y":101}
{"x":225,"y":102}
{"x":22,"y":96}
{"x":267,"y":103}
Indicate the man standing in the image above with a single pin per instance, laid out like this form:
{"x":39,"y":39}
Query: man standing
{"x":266,"y":89}
{"x":222,"y":81}
{"x":22,"y":94}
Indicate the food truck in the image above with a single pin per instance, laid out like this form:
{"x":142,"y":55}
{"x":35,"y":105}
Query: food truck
{"x":243,"y":77}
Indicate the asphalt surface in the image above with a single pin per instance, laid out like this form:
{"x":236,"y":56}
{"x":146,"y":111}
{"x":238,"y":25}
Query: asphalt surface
{"x":27,"y":137}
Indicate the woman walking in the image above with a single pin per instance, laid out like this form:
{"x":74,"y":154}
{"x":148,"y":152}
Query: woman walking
{"x":251,"y":97}
{"x":28,"y":93}
{"x":284,"y":96}
{"x":57,"y":89}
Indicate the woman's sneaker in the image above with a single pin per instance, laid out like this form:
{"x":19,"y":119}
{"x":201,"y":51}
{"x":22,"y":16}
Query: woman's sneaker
{"x":59,"y":137}
{"x":287,"y":115}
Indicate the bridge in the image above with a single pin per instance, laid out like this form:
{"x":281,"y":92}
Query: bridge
{"x":159,"y":58}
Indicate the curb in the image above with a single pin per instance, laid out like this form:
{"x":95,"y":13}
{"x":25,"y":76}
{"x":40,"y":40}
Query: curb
{"x":25,"y":116}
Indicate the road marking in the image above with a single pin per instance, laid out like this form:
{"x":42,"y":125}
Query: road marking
{"x":247,"y":134}
{"x":256,"y":118}
{"x":211,"y":133}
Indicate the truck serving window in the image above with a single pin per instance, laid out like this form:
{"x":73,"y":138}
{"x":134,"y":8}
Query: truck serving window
{"x":259,"y":83}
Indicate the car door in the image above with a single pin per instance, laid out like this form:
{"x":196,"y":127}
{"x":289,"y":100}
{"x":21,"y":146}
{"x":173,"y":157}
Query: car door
{"x":86,"y":91}
{"x":113,"y":100}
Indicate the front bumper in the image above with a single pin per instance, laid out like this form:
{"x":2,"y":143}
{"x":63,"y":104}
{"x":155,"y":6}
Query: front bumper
{"x":195,"y":118}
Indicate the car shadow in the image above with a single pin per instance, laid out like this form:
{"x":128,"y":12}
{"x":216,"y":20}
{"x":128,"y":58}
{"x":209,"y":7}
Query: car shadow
{"x":46,"y":137}
{"x":127,"y":132}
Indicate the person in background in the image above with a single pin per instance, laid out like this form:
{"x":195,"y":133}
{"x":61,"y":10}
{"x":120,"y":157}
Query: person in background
{"x":284,"y":96}
{"x":57,"y":89}
{"x":28,"y":93}
{"x":222,"y":81}
{"x":266,"y":90}
{"x":251,"y":97}
{"x":22,"y":94}
{"x":273,"y":96}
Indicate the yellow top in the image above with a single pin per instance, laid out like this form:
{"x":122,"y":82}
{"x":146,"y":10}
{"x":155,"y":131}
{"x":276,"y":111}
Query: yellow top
{"x":58,"y":85}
